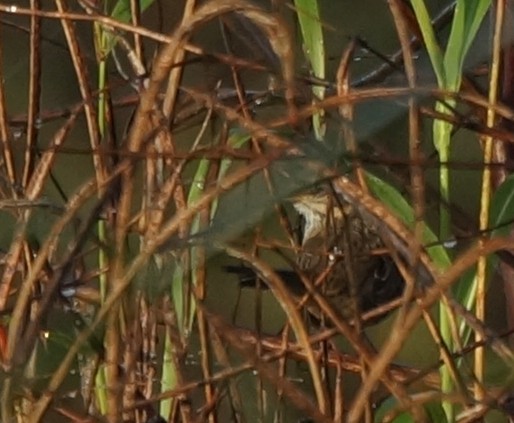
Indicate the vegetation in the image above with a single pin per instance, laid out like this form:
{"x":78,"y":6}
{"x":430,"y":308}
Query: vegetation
{"x":187,"y":127}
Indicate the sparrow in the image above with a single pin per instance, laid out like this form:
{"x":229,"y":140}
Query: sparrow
{"x":342,"y":254}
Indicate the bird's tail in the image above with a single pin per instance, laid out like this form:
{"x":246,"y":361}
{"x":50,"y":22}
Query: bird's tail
{"x":248,"y":278}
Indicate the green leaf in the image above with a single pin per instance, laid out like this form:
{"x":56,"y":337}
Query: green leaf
{"x":395,"y":201}
{"x":466,"y":22}
{"x":312,"y":35}
{"x":433,"y":410}
{"x":236,"y":139}
{"x":501,"y":216}
{"x":121,"y":10}
{"x":502,"y":208}
{"x":314,"y":47}
{"x":430,"y":40}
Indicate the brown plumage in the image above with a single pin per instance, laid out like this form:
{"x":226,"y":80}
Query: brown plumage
{"x":340,"y":245}
{"x":343,"y":254}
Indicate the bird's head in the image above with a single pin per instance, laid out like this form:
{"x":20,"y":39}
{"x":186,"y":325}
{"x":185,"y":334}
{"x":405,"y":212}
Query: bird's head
{"x":317,"y":209}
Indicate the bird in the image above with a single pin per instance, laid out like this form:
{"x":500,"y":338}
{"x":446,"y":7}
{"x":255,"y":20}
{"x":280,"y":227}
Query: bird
{"x":343,"y":251}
